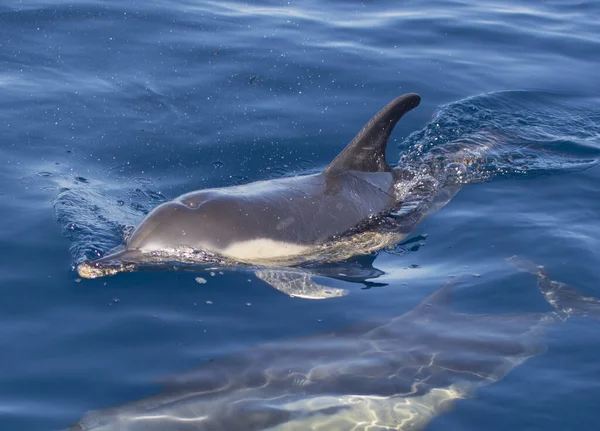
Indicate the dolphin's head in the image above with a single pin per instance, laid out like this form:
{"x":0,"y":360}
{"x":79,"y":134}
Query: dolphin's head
{"x":169,"y":225}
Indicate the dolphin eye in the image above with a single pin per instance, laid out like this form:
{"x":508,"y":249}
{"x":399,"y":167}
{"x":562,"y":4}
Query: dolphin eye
{"x":189,"y":204}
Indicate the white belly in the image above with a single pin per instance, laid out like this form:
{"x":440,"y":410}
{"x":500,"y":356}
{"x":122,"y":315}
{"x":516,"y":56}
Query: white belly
{"x":262,"y":249}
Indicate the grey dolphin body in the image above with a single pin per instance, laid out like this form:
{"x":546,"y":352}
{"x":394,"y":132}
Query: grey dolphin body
{"x":397,"y":375}
{"x":281,"y":222}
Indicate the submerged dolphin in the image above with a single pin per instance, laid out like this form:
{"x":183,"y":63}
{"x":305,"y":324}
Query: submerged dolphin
{"x":397,"y":375}
{"x":284,"y":222}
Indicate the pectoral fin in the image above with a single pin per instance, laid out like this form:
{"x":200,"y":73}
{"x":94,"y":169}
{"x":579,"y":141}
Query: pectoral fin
{"x":298,"y":284}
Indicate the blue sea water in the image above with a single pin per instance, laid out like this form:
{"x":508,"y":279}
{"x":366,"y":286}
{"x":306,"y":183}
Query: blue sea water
{"x":108,"y":108}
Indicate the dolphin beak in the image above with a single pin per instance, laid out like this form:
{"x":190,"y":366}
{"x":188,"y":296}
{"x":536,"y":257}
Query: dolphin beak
{"x":118,"y":260}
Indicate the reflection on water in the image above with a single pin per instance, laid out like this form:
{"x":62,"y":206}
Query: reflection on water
{"x":395,"y":375}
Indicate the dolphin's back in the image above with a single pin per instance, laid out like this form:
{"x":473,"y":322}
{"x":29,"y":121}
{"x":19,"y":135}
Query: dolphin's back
{"x":262,"y":217}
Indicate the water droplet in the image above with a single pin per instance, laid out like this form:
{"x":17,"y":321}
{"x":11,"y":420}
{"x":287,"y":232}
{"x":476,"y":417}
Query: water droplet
{"x":201,"y":280}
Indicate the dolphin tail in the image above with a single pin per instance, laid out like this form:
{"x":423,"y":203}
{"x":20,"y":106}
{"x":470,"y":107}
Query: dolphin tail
{"x":564,"y":298}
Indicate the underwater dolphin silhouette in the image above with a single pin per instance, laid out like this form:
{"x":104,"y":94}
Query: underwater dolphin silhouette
{"x":394,"y":375}
{"x":282,"y":223}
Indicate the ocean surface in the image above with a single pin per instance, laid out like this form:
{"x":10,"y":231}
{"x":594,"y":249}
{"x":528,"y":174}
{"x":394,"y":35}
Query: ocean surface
{"x":108,"y":108}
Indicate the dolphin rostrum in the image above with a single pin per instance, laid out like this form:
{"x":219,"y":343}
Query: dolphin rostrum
{"x":393,"y":375}
{"x":340,"y":212}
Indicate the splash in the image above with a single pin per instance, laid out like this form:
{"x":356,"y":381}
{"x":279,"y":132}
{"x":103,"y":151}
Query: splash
{"x":508,"y":134}
{"x":98,"y":215}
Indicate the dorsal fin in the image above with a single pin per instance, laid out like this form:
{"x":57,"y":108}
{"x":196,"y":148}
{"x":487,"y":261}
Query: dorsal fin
{"x":441,"y":297}
{"x":366,"y":152}
{"x":437,"y":302}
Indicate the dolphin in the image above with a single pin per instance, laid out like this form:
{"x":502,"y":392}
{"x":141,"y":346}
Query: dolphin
{"x":346,"y":210}
{"x":391,"y":375}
